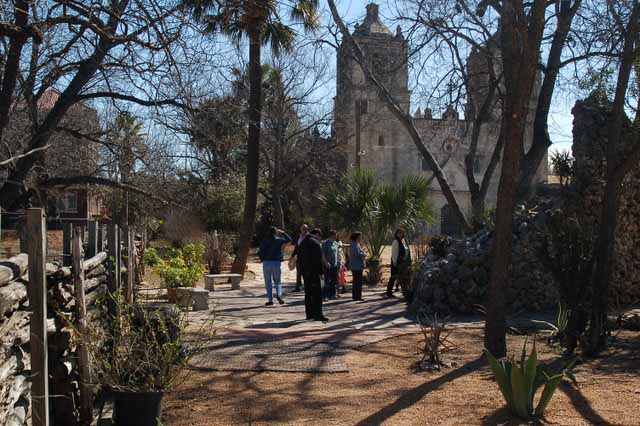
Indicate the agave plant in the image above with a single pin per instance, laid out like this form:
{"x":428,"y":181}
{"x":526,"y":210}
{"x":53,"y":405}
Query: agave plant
{"x":556,"y":332}
{"x":519,"y":383}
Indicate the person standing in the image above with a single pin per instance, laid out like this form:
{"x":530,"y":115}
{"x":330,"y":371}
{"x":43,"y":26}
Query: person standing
{"x":304,"y":232}
{"x":331,"y":251}
{"x":357,"y":258}
{"x":270,"y":255}
{"x":400,"y":257}
{"x":311,"y":266}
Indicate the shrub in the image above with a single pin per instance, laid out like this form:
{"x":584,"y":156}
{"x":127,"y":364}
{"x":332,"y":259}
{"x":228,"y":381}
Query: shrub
{"x":141,"y":349}
{"x":151,"y":257}
{"x":435,"y":341}
{"x":218,"y":247}
{"x":519,"y":383}
{"x":183,"y":267}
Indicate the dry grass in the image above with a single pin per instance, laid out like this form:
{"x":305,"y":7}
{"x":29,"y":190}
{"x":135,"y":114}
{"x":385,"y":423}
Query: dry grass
{"x":383,"y":388}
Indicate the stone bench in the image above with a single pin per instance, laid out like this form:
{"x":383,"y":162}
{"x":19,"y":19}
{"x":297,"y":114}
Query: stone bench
{"x":188,"y":297}
{"x":210,"y":280}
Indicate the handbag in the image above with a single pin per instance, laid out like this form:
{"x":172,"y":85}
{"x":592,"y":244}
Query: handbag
{"x":292,"y":263}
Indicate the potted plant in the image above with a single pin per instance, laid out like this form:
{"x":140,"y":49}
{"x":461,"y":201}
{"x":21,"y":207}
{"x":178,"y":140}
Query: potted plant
{"x":138,"y":356}
{"x":182,"y":268}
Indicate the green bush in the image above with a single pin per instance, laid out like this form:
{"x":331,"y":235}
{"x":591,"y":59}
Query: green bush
{"x":519,"y":383}
{"x":183,"y":267}
{"x":151,"y":257}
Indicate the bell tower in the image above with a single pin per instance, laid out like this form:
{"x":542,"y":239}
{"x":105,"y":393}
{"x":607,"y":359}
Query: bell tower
{"x":364,"y":127}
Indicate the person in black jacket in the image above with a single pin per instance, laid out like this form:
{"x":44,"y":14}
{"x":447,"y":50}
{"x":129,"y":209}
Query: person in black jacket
{"x":311,"y":265}
{"x":304,"y":233}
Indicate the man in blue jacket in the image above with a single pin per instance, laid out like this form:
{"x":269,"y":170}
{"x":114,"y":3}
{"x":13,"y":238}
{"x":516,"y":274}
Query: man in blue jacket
{"x":270,"y":255}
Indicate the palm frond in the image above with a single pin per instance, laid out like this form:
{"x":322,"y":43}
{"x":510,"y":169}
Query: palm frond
{"x":279,"y":36}
{"x":306,"y":13}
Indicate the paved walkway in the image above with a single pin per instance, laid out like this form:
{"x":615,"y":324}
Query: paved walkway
{"x":252,"y":336}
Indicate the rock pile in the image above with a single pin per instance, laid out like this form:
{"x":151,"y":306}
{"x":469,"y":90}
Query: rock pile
{"x":454,"y":276}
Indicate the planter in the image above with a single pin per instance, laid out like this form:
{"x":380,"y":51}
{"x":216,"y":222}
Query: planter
{"x":375,"y":272}
{"x":172,"y":295}
{"x":137,"y":408}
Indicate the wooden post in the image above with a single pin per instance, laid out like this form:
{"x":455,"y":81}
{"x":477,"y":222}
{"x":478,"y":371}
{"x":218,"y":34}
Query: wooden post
{"x":37,"y":290}
{"x":113,"y":242}
{"x":131,"y":250}
{"x":22,"y":235}
{"x":66,"y":244}
{"x":92,"y":242}
{"x":100,"y":237}
{"x":86,"y":398}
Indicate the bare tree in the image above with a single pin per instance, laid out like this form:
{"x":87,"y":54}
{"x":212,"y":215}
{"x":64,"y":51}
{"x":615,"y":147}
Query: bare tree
{"x":293,"y":150}
{"x":521,"y":32}
{"x":123,"y":51}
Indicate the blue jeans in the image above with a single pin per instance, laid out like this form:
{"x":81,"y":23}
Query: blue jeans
{"x":330,"y":283}
{"x":271,"y":269}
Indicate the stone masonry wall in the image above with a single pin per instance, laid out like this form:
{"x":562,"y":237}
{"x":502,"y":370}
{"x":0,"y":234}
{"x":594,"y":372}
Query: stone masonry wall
{"x":590,"y":133}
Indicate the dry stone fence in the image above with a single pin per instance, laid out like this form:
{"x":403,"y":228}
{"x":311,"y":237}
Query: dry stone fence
{"x":454,"y":276}
{"x":590,"y":133}
{"x":44,"y":376}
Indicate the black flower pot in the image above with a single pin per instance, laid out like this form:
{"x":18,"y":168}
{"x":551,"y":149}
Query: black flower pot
{"x":137,"y":408}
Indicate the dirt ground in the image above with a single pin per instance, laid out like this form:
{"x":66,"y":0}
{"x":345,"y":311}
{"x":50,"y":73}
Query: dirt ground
{"x":383,"y":387}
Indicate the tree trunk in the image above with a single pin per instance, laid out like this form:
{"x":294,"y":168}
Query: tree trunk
{"x":477,"y":209}
{"x":541,"y":139}
{"x":278,"y":213}
{"x":253,"y":153}
{"x":604,"y":248}
{"x":496,"y":325}
{"x":520,"y":37}
{"x":12,"y":64}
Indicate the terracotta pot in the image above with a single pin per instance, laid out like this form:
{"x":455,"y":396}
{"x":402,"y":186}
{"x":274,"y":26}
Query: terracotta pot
{"x":171,"y":295}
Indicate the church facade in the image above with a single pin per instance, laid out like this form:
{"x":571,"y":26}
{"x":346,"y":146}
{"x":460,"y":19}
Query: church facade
{"x":371,"y":137}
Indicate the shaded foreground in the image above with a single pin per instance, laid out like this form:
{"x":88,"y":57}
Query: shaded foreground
{"x":383,"y":387}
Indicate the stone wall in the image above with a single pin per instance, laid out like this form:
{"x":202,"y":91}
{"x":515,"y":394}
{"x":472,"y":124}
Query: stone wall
{"x":454,"y":277}
{"x":590,"y":134}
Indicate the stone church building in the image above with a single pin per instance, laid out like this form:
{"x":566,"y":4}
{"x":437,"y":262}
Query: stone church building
{"x":371,"y":137}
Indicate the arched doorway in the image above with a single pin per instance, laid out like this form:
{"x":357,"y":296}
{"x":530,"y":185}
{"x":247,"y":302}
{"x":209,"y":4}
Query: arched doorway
{"x":449,"y":223}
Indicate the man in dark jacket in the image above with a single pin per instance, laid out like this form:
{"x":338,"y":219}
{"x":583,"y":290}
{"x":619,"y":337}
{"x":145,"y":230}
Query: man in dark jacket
{"x":304,"y":233}
{"x":311,"y":265}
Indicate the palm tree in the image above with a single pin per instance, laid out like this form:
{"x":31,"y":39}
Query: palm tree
{"x":260,"y":22}
{"x":361,"y":203}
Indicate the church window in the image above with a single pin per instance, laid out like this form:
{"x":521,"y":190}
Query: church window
{"x":380,"y":140}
